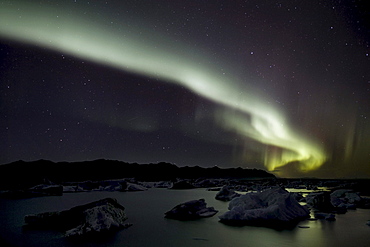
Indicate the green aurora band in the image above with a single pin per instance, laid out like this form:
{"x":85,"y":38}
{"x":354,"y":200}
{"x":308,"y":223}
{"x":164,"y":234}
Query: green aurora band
{"x":140,"y":51}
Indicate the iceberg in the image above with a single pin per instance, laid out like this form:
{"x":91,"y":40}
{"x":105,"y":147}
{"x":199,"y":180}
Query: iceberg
{"x":182,"y":185}
{"x":271,"y":206}
{"x":191,"y":210}
{"x":126,"y":186}
{"x":226,"y":194}
{"x":326,"y":216}
{"x":98,"y":217}
{"x":344,"y":198}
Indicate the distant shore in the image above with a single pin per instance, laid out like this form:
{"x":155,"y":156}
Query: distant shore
{"x":42,"y":178}
{"x":21,"y":174}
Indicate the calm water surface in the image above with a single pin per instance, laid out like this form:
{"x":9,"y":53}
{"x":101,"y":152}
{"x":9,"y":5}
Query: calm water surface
{"x":145,"y":211}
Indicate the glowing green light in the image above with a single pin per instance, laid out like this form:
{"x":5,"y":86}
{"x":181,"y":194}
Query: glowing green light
{"x":127,"y":50}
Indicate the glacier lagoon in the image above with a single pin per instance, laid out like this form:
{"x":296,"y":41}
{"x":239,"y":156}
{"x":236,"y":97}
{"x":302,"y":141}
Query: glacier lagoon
{"x":145,"y":210}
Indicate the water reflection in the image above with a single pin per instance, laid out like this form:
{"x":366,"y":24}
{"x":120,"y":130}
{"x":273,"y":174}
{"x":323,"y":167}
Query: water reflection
{"x":146,"y":211}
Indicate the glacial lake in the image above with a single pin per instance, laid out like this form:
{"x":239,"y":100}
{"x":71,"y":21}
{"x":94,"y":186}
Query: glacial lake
{"x":145,"y":210}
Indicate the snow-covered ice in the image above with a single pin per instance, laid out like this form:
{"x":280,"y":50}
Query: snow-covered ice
{"x":270,"y":205}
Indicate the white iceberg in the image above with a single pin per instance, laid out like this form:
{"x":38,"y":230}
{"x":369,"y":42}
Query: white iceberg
{"x":344,"y":198}
{"x":99,"y":219}
{"x":135,"y":187}
{"x":101,"y":216}
{"x":226,"y":194}
{"x":270,"y":206}
{"x":191,"y":210}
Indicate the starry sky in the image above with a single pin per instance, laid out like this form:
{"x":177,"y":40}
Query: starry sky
{"x":277,"y":85}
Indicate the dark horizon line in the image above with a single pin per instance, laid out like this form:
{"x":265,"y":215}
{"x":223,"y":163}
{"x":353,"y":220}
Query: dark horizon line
{"x":128,"y":162}
{"x":174,"y":164}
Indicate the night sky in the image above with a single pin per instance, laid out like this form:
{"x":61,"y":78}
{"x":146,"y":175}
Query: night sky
{"x":277,"y":85}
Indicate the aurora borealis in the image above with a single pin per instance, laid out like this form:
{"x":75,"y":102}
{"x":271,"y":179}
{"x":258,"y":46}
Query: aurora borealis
{"x":277,"y":85}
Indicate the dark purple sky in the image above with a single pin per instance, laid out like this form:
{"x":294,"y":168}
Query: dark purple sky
{"x":276,"y":85}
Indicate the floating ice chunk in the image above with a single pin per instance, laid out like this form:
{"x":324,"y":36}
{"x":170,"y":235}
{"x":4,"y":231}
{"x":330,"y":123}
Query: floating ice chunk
{"x":272,"y":205}
{"x":191,"y":210}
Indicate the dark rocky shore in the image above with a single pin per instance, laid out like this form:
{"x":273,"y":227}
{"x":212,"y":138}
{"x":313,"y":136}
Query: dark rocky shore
{"x":45,"y":178}
{"x":23,"y":175}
